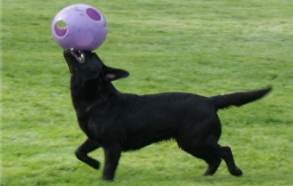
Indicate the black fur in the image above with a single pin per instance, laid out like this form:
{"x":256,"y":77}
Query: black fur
{"x":121,"y":122}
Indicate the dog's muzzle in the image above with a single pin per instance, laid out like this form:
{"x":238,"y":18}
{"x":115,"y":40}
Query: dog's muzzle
{"x":79,"y":55}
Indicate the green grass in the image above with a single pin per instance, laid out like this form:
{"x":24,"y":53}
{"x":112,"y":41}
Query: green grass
{"x":205,"y":47}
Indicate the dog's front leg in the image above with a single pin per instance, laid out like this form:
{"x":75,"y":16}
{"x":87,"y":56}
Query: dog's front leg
{"x":87,"y":147}
{"x":112,"y":156}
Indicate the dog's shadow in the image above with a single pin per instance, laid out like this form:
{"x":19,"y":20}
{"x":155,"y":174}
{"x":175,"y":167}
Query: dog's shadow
{"x":164,"y":174}
{"x":149,"y":163}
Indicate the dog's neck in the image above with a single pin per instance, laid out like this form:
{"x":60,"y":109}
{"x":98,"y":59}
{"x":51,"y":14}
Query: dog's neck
{"x":87,"y":94}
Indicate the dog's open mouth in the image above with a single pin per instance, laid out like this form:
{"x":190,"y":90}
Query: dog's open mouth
{"x":79,"y":55}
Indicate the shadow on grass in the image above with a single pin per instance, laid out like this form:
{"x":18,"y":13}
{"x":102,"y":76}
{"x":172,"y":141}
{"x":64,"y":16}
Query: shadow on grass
{"x":193,"y":176}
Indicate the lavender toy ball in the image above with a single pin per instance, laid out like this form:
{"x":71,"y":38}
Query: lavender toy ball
{"x":79,"y":26}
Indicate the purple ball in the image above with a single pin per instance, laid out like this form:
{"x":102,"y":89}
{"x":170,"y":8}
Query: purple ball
{"x":79,"y":26}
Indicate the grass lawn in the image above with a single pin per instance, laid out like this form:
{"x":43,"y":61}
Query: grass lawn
{"x":205,"y":47}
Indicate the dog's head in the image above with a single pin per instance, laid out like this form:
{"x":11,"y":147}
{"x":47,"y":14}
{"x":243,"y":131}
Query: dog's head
{"x":86,"y":65}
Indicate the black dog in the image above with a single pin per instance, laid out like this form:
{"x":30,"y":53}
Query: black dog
{"x":122,"y":122}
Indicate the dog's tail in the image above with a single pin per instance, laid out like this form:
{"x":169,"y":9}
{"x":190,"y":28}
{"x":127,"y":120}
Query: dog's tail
{"x":238,"y":99}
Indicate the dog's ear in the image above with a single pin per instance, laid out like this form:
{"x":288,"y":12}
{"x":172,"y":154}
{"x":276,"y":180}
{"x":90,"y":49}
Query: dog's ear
{"x":114,"y":73}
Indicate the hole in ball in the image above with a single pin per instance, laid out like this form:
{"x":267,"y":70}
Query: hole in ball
{"x":93,"y":14}
{"x":60,"y":28}
{"x":61,"y":24}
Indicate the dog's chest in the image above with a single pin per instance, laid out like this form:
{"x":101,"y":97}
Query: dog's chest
{"x":92,"y":128}
{"x":100,"y":127}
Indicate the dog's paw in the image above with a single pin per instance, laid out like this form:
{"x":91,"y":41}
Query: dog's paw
{"x":236,"y":172}
{"x":95,"y":164}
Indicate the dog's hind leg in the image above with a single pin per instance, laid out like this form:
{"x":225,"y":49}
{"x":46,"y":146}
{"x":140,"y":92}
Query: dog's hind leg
{"x":209,"y":155}
{"x":201,"y":141}
{"x":204,"y":148}
{"x":226,"y":154}
{"x":212,"y":153}
{"x":87,"y":147}
{"x":213,"y":164}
